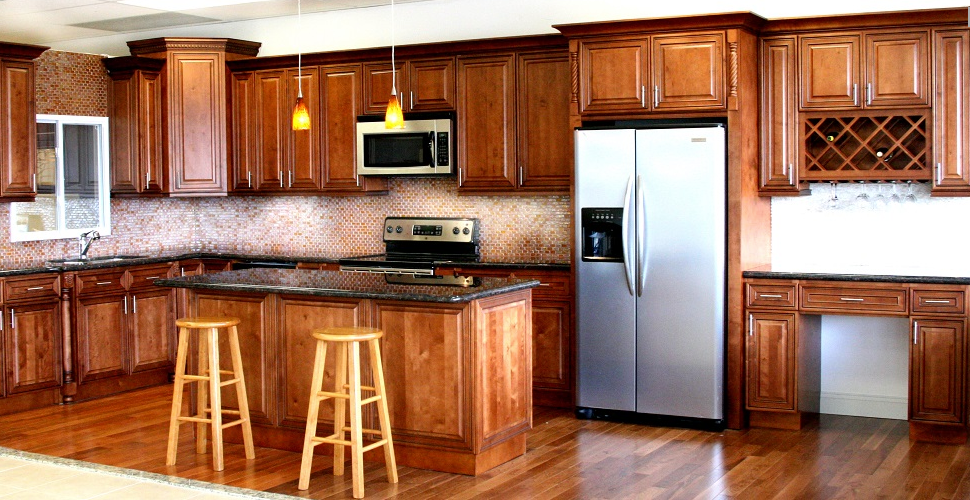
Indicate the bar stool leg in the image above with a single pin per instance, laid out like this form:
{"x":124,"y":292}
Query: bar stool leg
{"x":201,"y":396}
{"x":312,"y":415}
{"x":339,"y":409}
{"x":356,"y":436}
{"x":215,"y":395}
{"x":237,"y":372}
{"x":173,"y":426}
{"x":377,"y":368}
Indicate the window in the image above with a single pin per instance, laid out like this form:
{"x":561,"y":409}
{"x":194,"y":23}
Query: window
{"x":72,"y":181}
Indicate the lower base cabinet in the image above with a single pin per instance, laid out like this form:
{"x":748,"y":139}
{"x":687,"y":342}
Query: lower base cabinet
{"x":937,"y":367}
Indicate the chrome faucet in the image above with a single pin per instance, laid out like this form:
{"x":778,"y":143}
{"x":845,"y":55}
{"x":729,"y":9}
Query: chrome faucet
{"x":84,"y":242}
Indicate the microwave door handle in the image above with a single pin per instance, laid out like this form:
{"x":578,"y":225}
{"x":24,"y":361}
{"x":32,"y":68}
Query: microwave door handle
{"x":431,"y":149}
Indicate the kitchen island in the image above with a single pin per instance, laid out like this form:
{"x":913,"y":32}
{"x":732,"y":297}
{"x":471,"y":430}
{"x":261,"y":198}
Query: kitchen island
{"x":457,"y":360}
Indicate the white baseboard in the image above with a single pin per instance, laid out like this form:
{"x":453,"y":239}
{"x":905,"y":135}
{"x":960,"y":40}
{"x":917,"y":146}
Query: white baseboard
{"x":864,"y":405}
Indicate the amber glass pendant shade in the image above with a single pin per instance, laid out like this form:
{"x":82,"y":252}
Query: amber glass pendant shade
{"x":301,"y":116}
{"x":394,"y":118}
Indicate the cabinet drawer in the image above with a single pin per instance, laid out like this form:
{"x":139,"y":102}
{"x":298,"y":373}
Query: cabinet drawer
{"x":34,"y":287}
{"x":100,"y":281}
{"x":781,"y":295}
{"x":550,"y":285}
{"x":144,"y":276}
{"x":859,"y":299}
{"x":938,"y":300}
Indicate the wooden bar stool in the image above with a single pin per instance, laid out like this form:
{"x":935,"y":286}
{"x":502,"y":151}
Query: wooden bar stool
{"x":209,"y":372}
{"x":347,"y":341}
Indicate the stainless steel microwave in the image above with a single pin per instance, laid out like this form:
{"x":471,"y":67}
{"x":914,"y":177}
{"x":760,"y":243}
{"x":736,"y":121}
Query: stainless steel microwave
{"x":422,"y":147}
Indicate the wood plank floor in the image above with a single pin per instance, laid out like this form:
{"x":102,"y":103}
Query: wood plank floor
{"x":836,"y":457}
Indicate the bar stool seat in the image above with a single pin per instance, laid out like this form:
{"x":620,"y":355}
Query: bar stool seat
{"x":211,"y":381}
{"x":348,"y":340}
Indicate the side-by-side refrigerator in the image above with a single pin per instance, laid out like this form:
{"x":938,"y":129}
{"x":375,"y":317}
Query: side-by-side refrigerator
{"x":650,"y":257}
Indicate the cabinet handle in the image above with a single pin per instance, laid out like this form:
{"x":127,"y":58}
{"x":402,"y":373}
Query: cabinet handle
{"x":751,"y":325}
{"x":545,"y":284}
{"x":939,"y":173}
{"x":33,"y":181}
{"x":125,"y":298}
{"x":249,"y":178}
{"x":947,"y":302}
{"x":152,"y":277}
{"x":34,"y":288}
{"x":290,"y":184}
{"x":13,"y":319}
{"x":521,"y":175}
{"x":656,"y":96}
{"x":855,"y":94}
{"x":411,"y":98}
{"x":103,"y":283}
{"x":851,"y":299}
{"x":915,"y":332}
{"x":769,"y":296}
{"x":791,"y":173}
{"x":134,"y":305}
{"x":1,"y":320}
{"x":643,"y":96}
{"x":868,"y":94}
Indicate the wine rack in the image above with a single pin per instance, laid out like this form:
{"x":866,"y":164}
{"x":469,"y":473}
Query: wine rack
{"x":866,"y":148}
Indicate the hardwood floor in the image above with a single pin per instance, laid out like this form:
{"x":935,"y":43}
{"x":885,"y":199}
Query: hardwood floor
{"x":835,"y":457}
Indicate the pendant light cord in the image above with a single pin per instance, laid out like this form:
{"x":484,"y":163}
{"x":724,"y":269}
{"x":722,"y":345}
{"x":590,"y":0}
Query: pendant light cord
{"x":393,"y":67}
{"x":299,"y":52}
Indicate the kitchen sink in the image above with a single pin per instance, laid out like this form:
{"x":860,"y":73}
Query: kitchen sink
{"x":93,"y":260}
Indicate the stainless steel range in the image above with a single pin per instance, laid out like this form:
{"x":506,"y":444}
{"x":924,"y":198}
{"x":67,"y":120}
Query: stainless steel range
{"x":415,"y":247}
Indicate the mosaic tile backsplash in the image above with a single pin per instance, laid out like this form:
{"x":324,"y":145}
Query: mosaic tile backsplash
{"x":513,"y":229}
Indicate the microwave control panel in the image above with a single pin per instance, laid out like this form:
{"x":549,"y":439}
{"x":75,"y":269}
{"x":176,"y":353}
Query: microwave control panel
{"x":441,"y":149}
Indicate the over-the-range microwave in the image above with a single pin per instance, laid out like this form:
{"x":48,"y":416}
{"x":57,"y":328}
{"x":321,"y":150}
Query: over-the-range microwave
{"x":423,"y":147}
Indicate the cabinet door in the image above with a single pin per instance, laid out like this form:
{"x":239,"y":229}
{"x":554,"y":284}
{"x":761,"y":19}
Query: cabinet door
{"x":18,"y":130}
{"x":688,"y":72}
{"x":486,"y":122}
{"x":101,"y":339}
{"x":340,"y":94}
{"x":243,"y":123}
{"x":830,"y":72}
{"x":431,"y":85}
{"x":612,"y":75}
{"x":32,"y":341}
{"x":544,"y":135}
{"x":779,"y":128}
{"x":936,"y":370}
{"x":300,"y":317}
{"x":552,"y":351}
{"x":951,"y":111}
{"x":377,"y":80}
{"x":270,"y":132}
{"x":771,"y":349}
{"x":152,"y":329}
{"x":123,"y":114}
{"x":303,"y":146}
{"x":897,"y":70}
{"x":197,"y":123}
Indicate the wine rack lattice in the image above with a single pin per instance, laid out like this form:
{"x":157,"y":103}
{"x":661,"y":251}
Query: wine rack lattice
{"x":876,"y":148}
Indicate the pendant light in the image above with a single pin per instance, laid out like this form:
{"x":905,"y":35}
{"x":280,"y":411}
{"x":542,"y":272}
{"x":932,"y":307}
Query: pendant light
{"x":393,"y":118}
{"x":301,"y":115}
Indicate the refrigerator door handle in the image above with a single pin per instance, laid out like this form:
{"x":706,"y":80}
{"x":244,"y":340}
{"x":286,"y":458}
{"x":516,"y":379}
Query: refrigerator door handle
{"x":628,"y":269}
{"x":641,"y":238}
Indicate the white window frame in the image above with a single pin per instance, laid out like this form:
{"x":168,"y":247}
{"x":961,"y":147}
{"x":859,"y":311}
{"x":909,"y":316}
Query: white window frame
{"x":104,"y":186}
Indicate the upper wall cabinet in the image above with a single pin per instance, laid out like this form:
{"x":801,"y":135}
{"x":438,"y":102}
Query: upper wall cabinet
{"x":681,"y":72}
{"x":422,"y":85}
{"x":135,"y":113}
{"x":18,"y":145}
{"x":865,"y":70}
{"x":194,"y":123}
{"x":951,"y":112}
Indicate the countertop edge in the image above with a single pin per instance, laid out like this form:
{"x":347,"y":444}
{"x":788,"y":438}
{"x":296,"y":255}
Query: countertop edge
{"x":847,"y":277}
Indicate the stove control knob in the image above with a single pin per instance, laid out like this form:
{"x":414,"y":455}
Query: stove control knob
{"x":399,"y":229}
{"x":465,"y":231}
{"x":456,"y":230}
{"x":390,"y":229}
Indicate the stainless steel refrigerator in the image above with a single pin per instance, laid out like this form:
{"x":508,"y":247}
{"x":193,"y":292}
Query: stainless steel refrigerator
{"x":650,"y":254}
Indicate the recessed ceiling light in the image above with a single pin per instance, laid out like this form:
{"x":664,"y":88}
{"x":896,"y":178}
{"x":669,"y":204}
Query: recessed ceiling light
{"x":172,"y":5}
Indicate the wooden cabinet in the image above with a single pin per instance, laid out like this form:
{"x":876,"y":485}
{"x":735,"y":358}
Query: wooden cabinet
{"x":422,"y":84}
{"x":18,"y":142}
{"x":31,"y":332}
{"x":513,"y":123}
{"x":778,"y":173}
{"x":670,"y":72}
{"x":341,"y":104}
{"x":865,"y":70}
{"x":194,"y":124}
{"x":771,"y":350}
{"x":135,"y":112}
{"x":125,"y":329}
{"x":937,"y":370}
{"x":951,"y":112}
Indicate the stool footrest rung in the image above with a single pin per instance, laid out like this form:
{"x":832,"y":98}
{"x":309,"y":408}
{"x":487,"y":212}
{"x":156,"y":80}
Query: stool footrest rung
{"x":195,"y":378}
{"x":226,"y":425}
{"x":229,"y":382}
{"x":373,"y":445}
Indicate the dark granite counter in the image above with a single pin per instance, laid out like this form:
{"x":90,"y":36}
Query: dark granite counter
{"x":343,"y":284}
{"x":859,"y":273}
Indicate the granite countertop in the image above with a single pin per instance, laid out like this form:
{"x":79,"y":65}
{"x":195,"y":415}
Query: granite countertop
{"x":100,"y":262}
{"x":862,"y":273}
{"x":343,"y":284}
